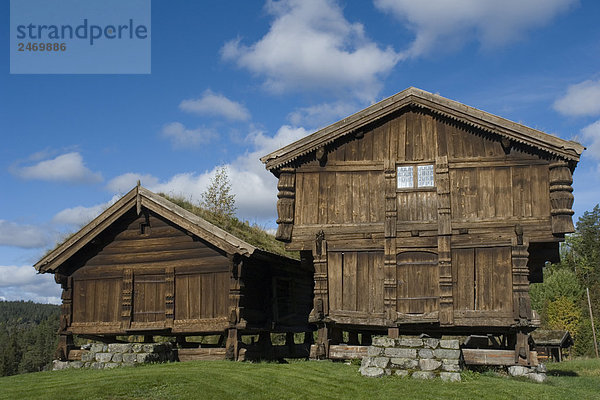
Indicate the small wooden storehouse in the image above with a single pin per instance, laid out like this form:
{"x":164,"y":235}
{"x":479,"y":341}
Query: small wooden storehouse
{"x":420,"y":214}
{"x":549,"y":344}
{"x":146,"y":266}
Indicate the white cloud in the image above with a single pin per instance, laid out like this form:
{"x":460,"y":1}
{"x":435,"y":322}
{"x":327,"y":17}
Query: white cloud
{"x":591,"y":138}
{"x":23,"y":283}
{"x":311,"y":45}
{"x":216,"y":104}
{"x":26,"y":236}
{"x":255,"y":188}
{"x":182,"y":138}
{"x":67,"y":167}
{"x":80,"y":215}
{"x":581,"y":99}
{"x":124,"y":183}
{"x":322,"y":114}
{"x":443,"y":24}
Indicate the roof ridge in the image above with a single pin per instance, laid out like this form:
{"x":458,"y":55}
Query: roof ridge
{"x":136,"y":198}
{"x":413,"y":96}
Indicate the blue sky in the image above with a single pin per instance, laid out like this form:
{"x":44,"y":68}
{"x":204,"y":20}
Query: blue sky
{"x":232,"y":81}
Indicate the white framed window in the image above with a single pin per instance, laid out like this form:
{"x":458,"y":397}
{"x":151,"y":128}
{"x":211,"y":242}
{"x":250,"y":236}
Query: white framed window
{"x":405,"y":177}
{"x":415,"y":176}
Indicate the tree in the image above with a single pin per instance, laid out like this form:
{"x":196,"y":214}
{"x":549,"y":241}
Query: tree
{"x":582,"y":253}
{"x":218,"y":197}
{"x":564,"y":314}
{"x":561,"y":298}
{"x":559,"y":281}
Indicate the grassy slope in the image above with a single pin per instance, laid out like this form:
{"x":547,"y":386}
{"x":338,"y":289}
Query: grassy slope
{"x":299,"y":380}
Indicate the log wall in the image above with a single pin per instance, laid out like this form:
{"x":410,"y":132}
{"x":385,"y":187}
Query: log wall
{"x":442,"y":253}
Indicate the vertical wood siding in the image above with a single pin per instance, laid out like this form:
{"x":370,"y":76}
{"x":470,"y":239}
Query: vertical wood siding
{"x":356,"y":281}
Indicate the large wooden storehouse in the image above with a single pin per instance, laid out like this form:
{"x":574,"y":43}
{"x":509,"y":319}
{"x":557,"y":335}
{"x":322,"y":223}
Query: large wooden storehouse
{"x":420,"y":214}
{"x":146,"y":266}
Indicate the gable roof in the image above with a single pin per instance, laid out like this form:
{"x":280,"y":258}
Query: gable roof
{"x":137,"y":198}
{"x":413,"y":97}
{"x":543,"y":337}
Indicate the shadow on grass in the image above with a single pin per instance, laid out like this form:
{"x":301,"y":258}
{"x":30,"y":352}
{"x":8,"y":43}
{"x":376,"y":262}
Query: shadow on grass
{"x":558,"y":372}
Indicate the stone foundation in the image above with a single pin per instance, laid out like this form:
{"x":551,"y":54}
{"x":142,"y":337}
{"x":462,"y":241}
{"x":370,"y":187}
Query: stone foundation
{"x":537,"y":374}
{"x":418,"y":358}
{"x":100,"y":355}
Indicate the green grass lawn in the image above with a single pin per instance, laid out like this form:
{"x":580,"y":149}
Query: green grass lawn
{"x":579,"y":379}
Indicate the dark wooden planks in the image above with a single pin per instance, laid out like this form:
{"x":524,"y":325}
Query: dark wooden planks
{"x":463,"y":274}
{"x":482,"y":279}
{"x":349,"y":276}
{"x":334,"y":273}
{"x":418,"y":282}
{"x":417,"y":205}
{"x":148,"y":298}
{"x":201,"y":295}
{"x":96,"y":300}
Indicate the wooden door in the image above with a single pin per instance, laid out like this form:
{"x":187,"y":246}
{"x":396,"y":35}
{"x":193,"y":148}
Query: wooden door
{"x":418,"y":282}
{"x":482,"y":279}
{"x":149,"y":298}
{"x":356,"y":281}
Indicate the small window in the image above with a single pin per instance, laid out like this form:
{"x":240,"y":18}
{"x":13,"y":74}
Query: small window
{"x":415,"y":176}
{"x":405,"y":177}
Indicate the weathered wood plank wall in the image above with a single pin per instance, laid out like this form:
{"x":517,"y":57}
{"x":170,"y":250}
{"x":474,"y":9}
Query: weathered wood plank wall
{"x":450,"y":248}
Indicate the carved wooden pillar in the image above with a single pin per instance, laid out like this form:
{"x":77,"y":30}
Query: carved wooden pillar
{"x":126,"y":298}
{"x":442,"y":182}
{"x":561,"y":197}
{"x":521,"y":302}
{"x":65,"y":340}
{"x":285,"y":204}
{"x":235,"y":310}
{"x":319,"y":252}
{"x":389,"y":260}
{"x":170,"y":296}
{"x":321,"y":299}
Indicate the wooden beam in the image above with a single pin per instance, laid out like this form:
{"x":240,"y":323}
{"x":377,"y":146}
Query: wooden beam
{"x":347,"y":352}
{"x":493,"y":357}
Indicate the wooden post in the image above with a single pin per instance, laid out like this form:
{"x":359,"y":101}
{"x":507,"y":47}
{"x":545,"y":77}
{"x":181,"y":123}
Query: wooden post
{"x":308,"y":338}
{"x":389,"y":261}
{"x":289,"y":343}
{"x":561,"y":197}
{"x":285,"y":204}
{"x":520,"y":279}
{"x":587,"y":290}
{"x":522,"y":348}
{"x":126,"y":298}
{"x":170,"y":296}
{"x":322,"y":342}
{"x":65,"y":340}
{"x":321,"y":298}
{"x":65,"y":344}
{"x":232,"y":345}
{"x":446,"y":305}
{"x":235,"y":294}
{"x":366,"y":339}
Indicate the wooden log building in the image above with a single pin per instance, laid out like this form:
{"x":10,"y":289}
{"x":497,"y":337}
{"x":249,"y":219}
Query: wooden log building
{"x":420,"y":214}
{"x":549,"y":344}
{"x":146,"y":266}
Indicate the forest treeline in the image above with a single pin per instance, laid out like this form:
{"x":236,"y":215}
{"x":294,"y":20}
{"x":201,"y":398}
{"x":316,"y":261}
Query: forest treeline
{"x":28,"y":336}
{"x":561,"y":299}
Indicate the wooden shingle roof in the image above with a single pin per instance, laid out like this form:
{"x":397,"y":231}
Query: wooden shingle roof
{"x":413,"y":97}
